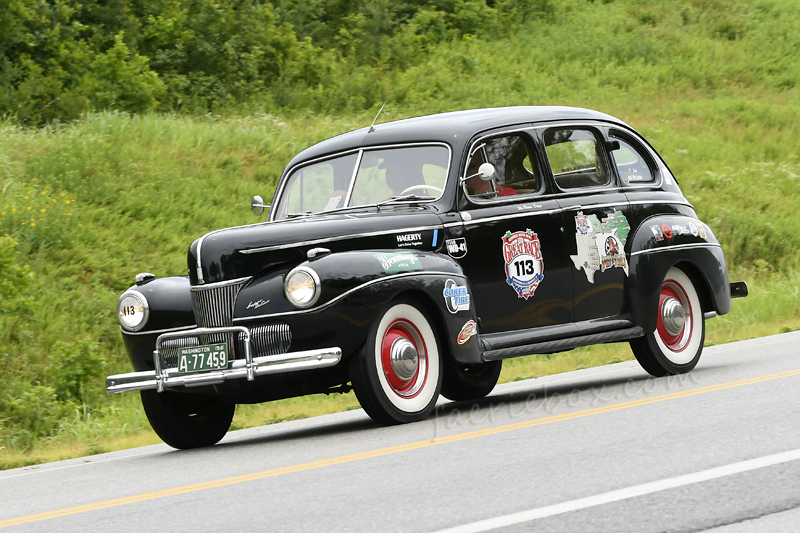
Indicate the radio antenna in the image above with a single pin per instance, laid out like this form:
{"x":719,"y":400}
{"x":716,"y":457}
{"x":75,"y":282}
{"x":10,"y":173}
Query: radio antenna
{"x":372,"y":127}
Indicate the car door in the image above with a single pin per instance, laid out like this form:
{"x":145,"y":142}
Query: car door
{"x":511,"y":239}
{"x":595,"y":218}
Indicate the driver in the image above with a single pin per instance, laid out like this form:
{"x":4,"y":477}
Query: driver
{"x":399,"y":177}
{"x":478,"y":186}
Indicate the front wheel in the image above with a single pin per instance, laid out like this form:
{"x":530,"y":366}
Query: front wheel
{"x":398,"y":373}
{"x":187,"y":421}
{"x":676,"y":344}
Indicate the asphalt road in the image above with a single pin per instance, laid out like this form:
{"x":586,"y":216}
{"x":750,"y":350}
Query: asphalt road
{"x":605,"y":449}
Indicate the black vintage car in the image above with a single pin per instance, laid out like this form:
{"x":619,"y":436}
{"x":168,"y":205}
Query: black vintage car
{"x":408,"y":259}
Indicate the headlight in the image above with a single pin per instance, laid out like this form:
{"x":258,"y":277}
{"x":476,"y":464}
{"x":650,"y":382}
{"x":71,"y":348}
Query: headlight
{"x":302,"y":287}
{"x":132,"y":310}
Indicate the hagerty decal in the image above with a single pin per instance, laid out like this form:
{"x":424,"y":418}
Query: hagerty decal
{"x":524,"y":264}
{"x":467,"y":331}
{"x":456,"y":297}
{"x":409,"y":239}
{"x":399,"y":262}
{"x":601,"y":243}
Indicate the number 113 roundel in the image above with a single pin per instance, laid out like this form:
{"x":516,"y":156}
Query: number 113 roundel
{"x":524,"y":264}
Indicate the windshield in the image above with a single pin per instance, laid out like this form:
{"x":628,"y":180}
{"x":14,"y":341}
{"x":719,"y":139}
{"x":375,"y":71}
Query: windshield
{"x":381,"y":175}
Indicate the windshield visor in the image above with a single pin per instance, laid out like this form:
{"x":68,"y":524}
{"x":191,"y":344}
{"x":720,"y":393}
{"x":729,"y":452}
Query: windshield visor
{"x":382,"y":174}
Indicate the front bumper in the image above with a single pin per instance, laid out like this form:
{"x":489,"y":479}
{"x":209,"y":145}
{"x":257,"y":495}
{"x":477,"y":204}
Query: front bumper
{"x":163,"y":378}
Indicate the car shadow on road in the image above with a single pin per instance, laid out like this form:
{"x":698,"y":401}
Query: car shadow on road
{"x":530,"y":401}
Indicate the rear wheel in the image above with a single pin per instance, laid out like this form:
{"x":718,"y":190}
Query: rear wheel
{"x":676,"y":344}
{"x":187,"y":420}
{"x":469,"y":381}
{"x":397,"y":374}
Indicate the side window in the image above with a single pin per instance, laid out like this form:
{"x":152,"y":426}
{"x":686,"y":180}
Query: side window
{"x":514,"y":171}
{"x":575,"y":158}
{"x":632,"y":164}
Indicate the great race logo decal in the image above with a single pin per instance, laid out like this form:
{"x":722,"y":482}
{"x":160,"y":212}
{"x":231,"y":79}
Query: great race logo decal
{"x":524,"y":264}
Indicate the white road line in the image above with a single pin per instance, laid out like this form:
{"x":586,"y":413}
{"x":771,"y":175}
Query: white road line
{"x":624,"y":494}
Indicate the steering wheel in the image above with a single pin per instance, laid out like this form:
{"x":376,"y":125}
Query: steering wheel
{"x":421,"y":187}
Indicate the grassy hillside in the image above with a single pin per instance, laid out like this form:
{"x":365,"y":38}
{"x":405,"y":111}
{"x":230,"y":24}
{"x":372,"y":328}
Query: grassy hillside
{"x":87,"y":205}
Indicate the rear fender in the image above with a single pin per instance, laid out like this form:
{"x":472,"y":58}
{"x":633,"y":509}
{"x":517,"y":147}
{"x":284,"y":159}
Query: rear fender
{"x":662,"y":242}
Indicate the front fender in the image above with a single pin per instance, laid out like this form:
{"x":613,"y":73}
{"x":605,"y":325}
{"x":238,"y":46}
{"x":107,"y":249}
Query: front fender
{"x":170,"y":303}
{"x":664,"y":241}
{"x":355,"y":288}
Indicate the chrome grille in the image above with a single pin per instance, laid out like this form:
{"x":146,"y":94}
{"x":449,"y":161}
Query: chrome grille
{"x":169,"y":349}
{"x":213,"y":304}
{"x":213,"y":308}
{"x":270,"y":339}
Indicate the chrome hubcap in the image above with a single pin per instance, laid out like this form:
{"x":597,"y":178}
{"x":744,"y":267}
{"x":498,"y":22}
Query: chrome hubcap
{"x":673,"y":316}
{"x":404,"y":358}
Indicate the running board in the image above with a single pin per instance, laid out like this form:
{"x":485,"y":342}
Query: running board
{"x":563,"y":344}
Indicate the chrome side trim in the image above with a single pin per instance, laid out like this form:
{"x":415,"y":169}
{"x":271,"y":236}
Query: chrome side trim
{"x":677,"y":247}
{"x":339,"y":238}
{"x":515,"y":215}
{"x":209,"y":286}
{"x":347,"y":293}
{"x":159,"y":331}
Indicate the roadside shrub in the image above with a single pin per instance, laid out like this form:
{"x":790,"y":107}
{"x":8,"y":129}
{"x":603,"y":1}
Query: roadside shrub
{"x":72,"y":366}
{"x":16,"y":298}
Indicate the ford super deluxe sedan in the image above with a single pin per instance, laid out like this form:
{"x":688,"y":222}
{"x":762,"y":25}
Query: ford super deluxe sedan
{"x":408,"y":259}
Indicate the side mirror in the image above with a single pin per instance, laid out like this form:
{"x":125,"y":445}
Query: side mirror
{"x":486,"y":171}
{"x":258,"y":206}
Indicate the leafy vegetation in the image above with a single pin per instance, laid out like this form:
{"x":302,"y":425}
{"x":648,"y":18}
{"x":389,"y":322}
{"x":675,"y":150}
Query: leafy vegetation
{"x":133,"y":127}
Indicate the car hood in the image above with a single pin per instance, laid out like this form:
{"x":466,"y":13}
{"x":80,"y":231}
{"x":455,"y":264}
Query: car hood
{"x":245,"y":251}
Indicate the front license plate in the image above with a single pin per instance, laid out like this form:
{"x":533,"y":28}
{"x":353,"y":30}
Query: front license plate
{"x":201,"y":358}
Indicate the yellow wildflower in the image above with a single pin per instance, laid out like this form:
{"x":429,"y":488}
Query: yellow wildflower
{"x":54,"y":200}
{"x":14,"y":210}
{"x":69,"y":214}
{"x":33,"y":224}
{"x":43,"y":210}
{"x":44,"y":192}
{"x":4,"y":213}
{"x":63,"y":194}
{"x":26,"y":197}
{"x":29,"y":208}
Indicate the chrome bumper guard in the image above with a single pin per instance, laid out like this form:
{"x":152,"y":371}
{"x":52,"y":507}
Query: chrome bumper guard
{"x":168,"y":378}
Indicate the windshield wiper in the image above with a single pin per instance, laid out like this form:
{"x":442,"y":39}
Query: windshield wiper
{"x":404,"y":198}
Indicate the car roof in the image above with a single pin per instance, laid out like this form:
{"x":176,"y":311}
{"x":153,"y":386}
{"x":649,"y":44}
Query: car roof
{"x":454,"y":127}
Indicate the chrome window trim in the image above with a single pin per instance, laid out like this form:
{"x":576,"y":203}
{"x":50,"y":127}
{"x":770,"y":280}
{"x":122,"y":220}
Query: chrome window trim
{"x":608,"y":186}
{"x":362,"y":149}
{"x":497,"y":199}
{"x":347,"y":293}
{"x":677,"y":247}
{"x":657,"y":183}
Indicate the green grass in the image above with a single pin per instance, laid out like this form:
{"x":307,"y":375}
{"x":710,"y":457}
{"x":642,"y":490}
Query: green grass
{"x":711,"y":83}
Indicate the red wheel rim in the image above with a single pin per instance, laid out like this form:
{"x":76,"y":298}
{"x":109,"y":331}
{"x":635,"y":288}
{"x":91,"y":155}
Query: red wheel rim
{"x":405,"y":338}
{"x":676,"y":341}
